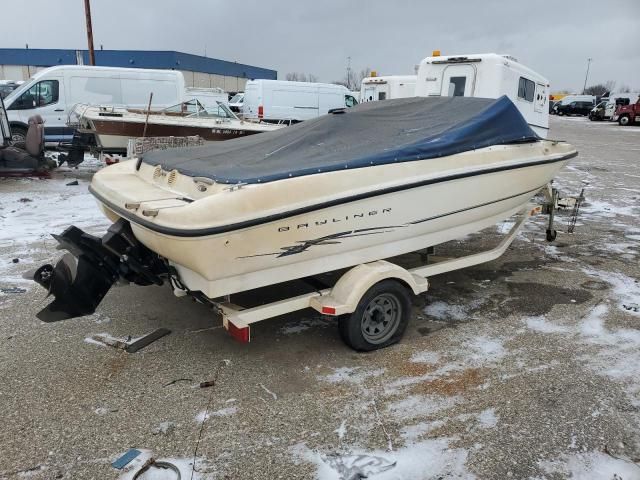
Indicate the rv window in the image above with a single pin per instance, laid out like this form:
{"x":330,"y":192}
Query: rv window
{"x":526,"y":89}
{"x":456,"y":86}
{"x":41,"y":94}
{"x":382,"y":95}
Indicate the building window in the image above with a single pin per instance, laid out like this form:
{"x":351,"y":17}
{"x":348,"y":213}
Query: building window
{"x":526,"y":89}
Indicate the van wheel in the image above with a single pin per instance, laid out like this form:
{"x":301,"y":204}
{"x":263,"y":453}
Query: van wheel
{"x":18,"y":135}
{"x":624,"y":120}
{"x":560,"y":113}
{"x":380,"y":318}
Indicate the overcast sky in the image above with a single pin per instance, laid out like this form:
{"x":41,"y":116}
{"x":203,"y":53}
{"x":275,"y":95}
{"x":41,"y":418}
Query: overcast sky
{"x":554,"y":37}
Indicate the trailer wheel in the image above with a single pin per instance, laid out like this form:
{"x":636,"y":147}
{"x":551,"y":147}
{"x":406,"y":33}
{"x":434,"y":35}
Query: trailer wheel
{"x":380,"y":318}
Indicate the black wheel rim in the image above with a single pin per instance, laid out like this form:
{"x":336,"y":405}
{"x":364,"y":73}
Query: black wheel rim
{"x":381,"y":318}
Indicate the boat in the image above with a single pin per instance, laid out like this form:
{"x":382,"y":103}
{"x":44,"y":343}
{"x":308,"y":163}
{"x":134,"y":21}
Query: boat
{"x":112,"y":126}
{"x":355,"y":186}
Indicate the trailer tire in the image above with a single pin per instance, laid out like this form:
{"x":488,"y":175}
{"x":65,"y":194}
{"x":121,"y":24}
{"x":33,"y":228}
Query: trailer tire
{"x":380,"y":318}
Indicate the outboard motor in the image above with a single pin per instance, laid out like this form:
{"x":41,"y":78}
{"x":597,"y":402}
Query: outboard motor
{"x":81,"y":279}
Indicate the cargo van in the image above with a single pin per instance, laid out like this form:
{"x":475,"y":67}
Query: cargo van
{"x":284,"y":101}
{"x":52,"y":93}
{"x":387,"y":87}
{"x":487,"y":75}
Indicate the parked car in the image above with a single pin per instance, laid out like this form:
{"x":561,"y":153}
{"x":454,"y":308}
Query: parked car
{"x":574,"y":108}
{"x":284,"y":101}
{"x":628,"y":114}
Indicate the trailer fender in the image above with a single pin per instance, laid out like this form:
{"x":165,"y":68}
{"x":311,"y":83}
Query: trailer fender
{"x":347,"y":292}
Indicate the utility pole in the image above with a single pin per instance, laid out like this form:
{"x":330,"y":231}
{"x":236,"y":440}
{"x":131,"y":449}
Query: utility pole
{"x":349,"y":73}
{"x":587,"y":75}
{"x":87,"y":12}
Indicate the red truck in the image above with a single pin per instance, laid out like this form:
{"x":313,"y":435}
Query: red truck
{"x":628,"y":114}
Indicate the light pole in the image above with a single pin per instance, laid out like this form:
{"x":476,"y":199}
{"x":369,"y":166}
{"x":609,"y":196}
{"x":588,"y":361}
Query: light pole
{"x":587,"y":75}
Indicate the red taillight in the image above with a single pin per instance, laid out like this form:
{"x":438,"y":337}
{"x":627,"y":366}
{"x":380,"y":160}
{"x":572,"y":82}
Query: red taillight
{"x":242,"y":335}
{"x":329,"y":310}
{"x":260,"y":111}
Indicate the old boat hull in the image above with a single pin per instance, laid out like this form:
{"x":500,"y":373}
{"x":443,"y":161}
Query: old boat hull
{"x":113,"y":136}
{"x":413,"y":205}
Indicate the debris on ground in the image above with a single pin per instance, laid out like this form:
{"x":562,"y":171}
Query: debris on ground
{"x":128,"y":344}
{"x":125,"y":459}
{"x":72,"y":184}
{"x":13,"y":290}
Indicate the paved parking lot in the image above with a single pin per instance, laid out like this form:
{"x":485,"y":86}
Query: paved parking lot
{"x":527,"y":367}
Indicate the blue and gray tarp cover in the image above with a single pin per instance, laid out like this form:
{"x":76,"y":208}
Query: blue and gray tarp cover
{"x":374,"y":133}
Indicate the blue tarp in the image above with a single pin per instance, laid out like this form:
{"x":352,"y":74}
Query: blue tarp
{"x":374,"y":133}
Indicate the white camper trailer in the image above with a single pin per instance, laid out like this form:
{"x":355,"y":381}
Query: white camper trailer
{"x":387,"y":87}
{"x":488,"y":75}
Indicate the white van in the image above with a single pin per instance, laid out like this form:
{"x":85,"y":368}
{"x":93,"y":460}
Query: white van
{"x":488,"y":75}
{"x":52,"y":93}
{"x":387,"y":87}
{"x":279,"y":100}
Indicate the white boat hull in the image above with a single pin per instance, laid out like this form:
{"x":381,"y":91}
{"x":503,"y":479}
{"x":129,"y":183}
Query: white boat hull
{"x":450,"y":198}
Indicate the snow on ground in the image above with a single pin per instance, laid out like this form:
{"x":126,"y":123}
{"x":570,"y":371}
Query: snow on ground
{"x":441,"y":310}
{"x":204,"y":415}
{"x":433,"y":458}
{"x":591,"y":466}
{"x":617,"y":350}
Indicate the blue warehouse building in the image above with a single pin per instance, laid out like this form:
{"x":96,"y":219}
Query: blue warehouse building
{"x":21,"y":63}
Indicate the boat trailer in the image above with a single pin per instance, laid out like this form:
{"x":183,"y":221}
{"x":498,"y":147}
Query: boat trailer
{"x":371,"y":301}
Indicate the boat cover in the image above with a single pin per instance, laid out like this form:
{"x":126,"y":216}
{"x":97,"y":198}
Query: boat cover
{"x":373,"y":133}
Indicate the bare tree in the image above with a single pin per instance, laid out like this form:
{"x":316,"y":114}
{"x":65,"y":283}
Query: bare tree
{"x":597,"y":90}
{"x":353,"y":81}
{"x":625,"y":89}
{"x":300,"y":77}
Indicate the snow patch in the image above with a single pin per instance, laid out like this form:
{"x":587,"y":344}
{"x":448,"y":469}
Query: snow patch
{"x":353,"y":375}
{"x":421,"y":406}
{"x":540,"y":324}
{"x":432,"y":458}
{"x":590,"y":466}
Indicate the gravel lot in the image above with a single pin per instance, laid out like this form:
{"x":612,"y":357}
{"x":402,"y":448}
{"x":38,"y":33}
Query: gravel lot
{"x":527,"y":367}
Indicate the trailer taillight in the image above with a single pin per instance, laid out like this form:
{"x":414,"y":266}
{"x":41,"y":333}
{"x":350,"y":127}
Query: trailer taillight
{"x":260,"y":111}
{"x":243,"y":335}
